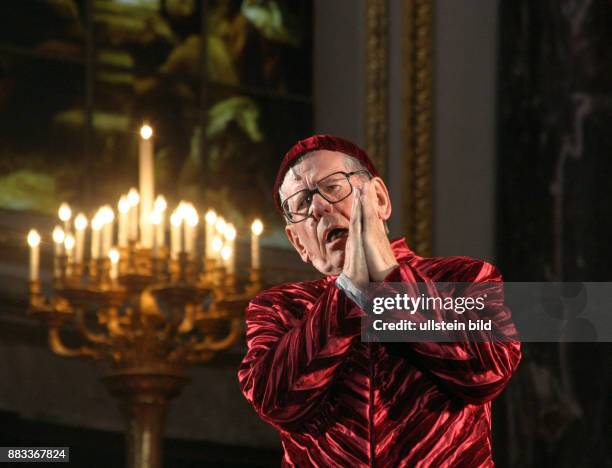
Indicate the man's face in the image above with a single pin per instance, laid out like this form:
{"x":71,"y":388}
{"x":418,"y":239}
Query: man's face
{"x":321,"y":239}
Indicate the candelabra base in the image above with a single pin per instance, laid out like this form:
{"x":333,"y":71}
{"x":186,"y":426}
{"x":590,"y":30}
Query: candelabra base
{"x":144,"y":396}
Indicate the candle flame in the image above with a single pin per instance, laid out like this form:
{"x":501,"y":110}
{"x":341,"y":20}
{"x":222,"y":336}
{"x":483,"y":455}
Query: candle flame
{"x":133,"y":197}
{"x":191,"y":215}
{"x":58,"y":235}
{"x":97,"y":222}
{"x":124,"y":204}
{"x":230,"y":232}
{"x":211,"y":217}
{"x":217,"y":244}
{"x":257,"y":227}
{"x":160,"y":204}
{"x":113,"y":254}
{"x":64,"y":212}
{"x":80,"y":222}
{"x":226,"y":252}
{"x":175,"y":218}
{"x":146,"y":132}
{"x":220,"y":225}
{"x":33,"y":238}
{"x":107,"y":214}
{"x":69,"y":242}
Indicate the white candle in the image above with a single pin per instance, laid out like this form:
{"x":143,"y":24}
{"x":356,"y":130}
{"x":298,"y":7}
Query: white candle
{"x":65,"y":213}
{"x":220,"y":225}
{"x":230,"y":240}
{"x":156,"y":218}
{"x":113,"y":254}
{"x":175,"y":234}
{"x":69,"y":243}
{"x":256,"y":230}
{"x":108,"y":216}
{"x":217,"y":245}
{"x":96,"y":228}
{"x":226,"y":256}
{"x":211,"y":219}
{"x":69,"y":248}
{"x":123,"y":207}
{"x":80,"y":224}
{"x":58,"y":238}
{"x":133,"y":199}
{"x":191,"y":223}
{"x":160,"y":206}
{"x":34,"y":243}
{"x":147,"y":185}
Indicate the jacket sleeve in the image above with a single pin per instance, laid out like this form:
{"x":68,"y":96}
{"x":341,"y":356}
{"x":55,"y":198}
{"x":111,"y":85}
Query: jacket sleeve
{"x":290,"y":362}
{"x":472,"y":368}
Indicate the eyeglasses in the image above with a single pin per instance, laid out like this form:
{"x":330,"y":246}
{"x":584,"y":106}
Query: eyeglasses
{"x":334,"y":188}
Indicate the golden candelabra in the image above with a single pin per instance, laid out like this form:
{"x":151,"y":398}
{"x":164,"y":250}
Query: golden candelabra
{"x":150,"y":316}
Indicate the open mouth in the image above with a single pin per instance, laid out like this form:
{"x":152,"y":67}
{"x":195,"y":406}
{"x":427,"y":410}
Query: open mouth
{"x":336,"y":233}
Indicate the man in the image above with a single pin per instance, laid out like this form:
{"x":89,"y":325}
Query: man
{"x":335,"y":400}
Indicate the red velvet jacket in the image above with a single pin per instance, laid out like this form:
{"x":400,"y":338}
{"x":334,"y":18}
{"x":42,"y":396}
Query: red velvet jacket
{"x":339,"y":402}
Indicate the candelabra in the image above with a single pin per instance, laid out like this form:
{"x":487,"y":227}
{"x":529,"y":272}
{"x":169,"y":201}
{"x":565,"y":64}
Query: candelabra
{"x":150,"y":314}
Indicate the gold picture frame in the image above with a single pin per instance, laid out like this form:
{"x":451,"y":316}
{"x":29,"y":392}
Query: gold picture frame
{"x":417,"y":135}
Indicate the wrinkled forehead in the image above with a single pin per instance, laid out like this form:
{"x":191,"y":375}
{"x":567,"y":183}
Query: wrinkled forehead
{"x":311,"y":169}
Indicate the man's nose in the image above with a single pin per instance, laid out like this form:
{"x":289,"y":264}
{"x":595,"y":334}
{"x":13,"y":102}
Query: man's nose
{"x":319,"y":206}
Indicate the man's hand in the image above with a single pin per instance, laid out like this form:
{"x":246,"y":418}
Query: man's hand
{"x":379,"y":255}
{"x":355,"y":266}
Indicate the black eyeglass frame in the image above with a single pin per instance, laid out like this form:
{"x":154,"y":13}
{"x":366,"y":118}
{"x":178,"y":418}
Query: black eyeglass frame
{"x":311,"y":193}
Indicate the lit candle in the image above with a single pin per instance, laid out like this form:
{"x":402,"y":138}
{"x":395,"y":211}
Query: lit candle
{"x":191,"y":223}
{"x":124,"y":208}
{"x":108,"y":216}
{"x":256,"y":230}
{"x":96,"y":228}
{"x":69,"y":248}
{"x":230,"y":239}
{"x":211,"y":219}
{"x":65,"y":213}
{"x":34,"y":243}
{"x":58,"y":238}
{"x":147,"y":184}
{"x":133,"y":200}
{"x":160,"y":206}
{"x":226,"y":255}
{"x":175,"y":233}
{"x":217,"y":245}
{"x":80,"y":224}
{"x":69,"y":243}
{"x":220,"y":225}
{"x":158,"y":239}
{"x":113,"y":254}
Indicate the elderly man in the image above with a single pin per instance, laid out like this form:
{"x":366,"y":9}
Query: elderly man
{"x":335,"y":400}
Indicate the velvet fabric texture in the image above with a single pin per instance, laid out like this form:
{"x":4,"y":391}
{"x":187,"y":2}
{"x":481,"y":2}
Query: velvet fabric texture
{"x":339,"y":402}
{"x":314,"y":143}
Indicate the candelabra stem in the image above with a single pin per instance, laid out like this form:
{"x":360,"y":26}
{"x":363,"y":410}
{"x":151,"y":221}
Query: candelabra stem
{"x":144,"y":396}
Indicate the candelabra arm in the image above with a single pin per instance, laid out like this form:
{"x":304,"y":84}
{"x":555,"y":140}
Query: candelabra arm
{"x":97,"y":338}
{"x":217,"y":345}
{"x":188,"y":320}
{"x":58,"y":346}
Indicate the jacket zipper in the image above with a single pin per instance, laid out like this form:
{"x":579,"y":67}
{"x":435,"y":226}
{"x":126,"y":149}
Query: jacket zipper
{"x":371,"y":406}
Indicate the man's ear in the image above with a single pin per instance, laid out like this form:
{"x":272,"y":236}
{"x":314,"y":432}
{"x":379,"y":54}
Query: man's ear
{"x":294,"y":238}
{"x":383,"y":200}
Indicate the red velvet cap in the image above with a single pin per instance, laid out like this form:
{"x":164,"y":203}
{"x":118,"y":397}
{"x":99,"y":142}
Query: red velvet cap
{"x":315,"y":143}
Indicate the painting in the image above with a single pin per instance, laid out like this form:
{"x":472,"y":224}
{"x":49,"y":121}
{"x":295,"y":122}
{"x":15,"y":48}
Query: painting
{"x":225,"y":84}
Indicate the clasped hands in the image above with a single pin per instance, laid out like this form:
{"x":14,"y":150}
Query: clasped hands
{"x":368,"y":253}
